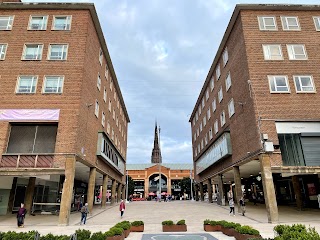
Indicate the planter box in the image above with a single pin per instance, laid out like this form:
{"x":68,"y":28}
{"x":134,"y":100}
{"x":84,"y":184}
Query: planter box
{"x":231,"y":232}
{"x":239,"y":236}
{"x":137,"y":228}
{"x":118,"y":237}
{"x":126,"y":233}
{"x":209,"y":228}
{"x":174,"y":228}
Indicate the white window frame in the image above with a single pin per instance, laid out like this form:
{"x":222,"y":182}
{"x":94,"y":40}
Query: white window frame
{"x":193,"y":121}
{"x":212,"y":83}
{"x":194,"y":137}
{"x":214,"y":105}
{"x":291,"y":52}
{"x":316,"y":21}
{"x":96,"y":109}
{"x":64,"y":48}
{"x":208,"y":114}
{"x":108,"y":127}
{"x":216,"y":126}
{"x":99,"y":82}
{"x":286,"y":26}
{"x":103,"y":119}
{"x":105,"y":94}
{"x":34,"y":82}
{"x":264,"y":27}
{"x":43,"y":24}
{"x":199,"y":110}
{"x":10,"y":21}
{"x":231,"y":109}
{"x":200,"y":126}
{"x":39,"y":51}
{"x":207,"y":95}
{"x":68,"y":22}
{"x":204,"y":120}
{"x":222,"y":118}
{"x":197,"y":115}
{"x":220,"y":95}
{"x":206,"y":139}
{"x":202,"y":144}
{"x":106,"y":73}
{"x":268,"y":53}
{"x":210,"y":134}
{"x":111,"y":84}
{"x":198,"y":132}
{"x":202,"y":103}
{"x":218,"y":72}
{"x":228,"y":82}
{"x":110,"y":105}
{"x":60,"y":80}
{"x":298,"y":78}
{"x":3,"y":51}
{"x":272,"y":78}
{"x":100,"y":56}
{"x":225,"y":57}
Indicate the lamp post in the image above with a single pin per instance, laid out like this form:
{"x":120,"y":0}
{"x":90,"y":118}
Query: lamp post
{"x":127,"y":188}
{"x":191,"y":186}
{"x":160,"y":163}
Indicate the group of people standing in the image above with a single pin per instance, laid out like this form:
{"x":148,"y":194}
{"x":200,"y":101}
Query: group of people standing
{"x":242,"y":206}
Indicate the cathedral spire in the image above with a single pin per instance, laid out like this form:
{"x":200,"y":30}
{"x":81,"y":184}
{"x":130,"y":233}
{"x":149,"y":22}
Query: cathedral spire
{"x":156,"y":152}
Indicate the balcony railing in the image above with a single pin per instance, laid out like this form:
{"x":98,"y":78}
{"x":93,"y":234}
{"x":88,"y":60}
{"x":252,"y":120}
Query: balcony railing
{"x":26,"y":161}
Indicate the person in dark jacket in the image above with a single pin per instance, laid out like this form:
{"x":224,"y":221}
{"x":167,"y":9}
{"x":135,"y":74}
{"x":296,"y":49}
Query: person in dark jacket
{"x":242,"y":205}
{"x":21,"y":215}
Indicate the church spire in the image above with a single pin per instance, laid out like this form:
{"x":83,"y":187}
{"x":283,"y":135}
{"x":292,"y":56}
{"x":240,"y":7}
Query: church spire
{"x":156,"y":153}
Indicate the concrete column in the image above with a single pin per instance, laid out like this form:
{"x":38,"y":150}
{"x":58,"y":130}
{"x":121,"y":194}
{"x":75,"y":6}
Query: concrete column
{"x":91,"y":187}
{"x":196,"y":189}
{"x":119,"y":192}
{"x":12,"y":194}
{"x":67,"y":191}
{"x":238,"y":190}
{"x":146,"y":188}
{"x":268,"y":189}
{"x":221,"y":200}
{"x":297,"y":191}
{"x":29,"y":194}
{"x":169,"y":186}
{"x":209,"y":190}
{"x":123,"y":192}
{"x":113,"y":191}
{"x":201,"y":192}
{"x":104,"y":191}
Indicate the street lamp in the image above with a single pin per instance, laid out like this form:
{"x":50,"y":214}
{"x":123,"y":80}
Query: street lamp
{"x":191,"y":186}
{"x":127,"y":188}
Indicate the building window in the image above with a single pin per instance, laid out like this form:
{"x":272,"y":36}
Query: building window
{"x":220,"y":95}
{"x":200,"y":126}
{"x":38,"y":23}
{"x":216,"y":127}
{"x":202,"y":103}
{"x":111,"y":85}
{"x":204,"y":120}
{"x":290,"y":23}
{"x":218,"y":72}
{"x":32,"y":52}
{"x":108,"y":127}
{"x":228,"y":82}
{"x":208,"y":114}
{"x":3,"y":50}
{"x":317,"y":23}
{"x":27,"y":84}
{"x":106,"y":73}
{"x":103,"y":119}
{"x":225,"y":56}
{"x":279,"y":84}
{"x":6,"y":22}
{"x":112,"y":135}
{"x":198,"y":132}
{"x":222,"y":118}
{"x":195,"y":152}
{"x":58,"y":52}
{"x":194,"y":121}
{"x":117,"y":121}
{"x":202,"y":144}
{"x":194,"y":137}
{"x":304,"y":84}
{"x":100,"y":56}
{"x":62,"y":23}
{"x":206,"y":139}
{"x":214,"y":105}
{"x":231,"y":108}
{"x":196,"y":115}
{"x":96,"y":109}
{"x":114,"y":114}
{"x":109,"y":105}
{"x":199,"y":110}
{"x":272,"y":52}
{"x":198,"y":148}
{"x":297,"y":52}
{"x":207,"y":95}
{"x":212,"y":83}
{"x":267,"y":23}
{"x":105,"y":94}
{"x":99,"y":82}
{"x":53,"y":84}
{"x":210,"y":134}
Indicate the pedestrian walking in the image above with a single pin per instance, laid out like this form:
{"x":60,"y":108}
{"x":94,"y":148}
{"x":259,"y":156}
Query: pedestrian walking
{"x":231,"y":205}
{"x":21,"y":215}
{"x":122,"y":208}
{"x":254,"y":198}
{"x":242,"y":206}
{"x":84,"y":213}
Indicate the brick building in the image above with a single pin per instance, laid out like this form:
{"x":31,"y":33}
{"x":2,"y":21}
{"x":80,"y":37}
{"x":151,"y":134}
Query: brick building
{"x":63,"y":120}
{"x":255,"y":125}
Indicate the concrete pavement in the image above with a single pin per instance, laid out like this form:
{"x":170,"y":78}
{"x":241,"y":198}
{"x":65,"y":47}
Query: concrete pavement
{"x":153,"y":213}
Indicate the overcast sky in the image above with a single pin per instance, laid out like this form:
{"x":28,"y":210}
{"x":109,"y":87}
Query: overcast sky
{"x":161,"y":52}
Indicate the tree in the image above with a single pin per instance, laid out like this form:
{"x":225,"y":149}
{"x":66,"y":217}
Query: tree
{"x":185,"y":185}
{"x":130,"y":186}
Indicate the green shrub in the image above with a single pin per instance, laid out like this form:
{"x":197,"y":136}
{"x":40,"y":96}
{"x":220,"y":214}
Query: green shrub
{"x":229,"y":224}
{"x":117,"y":231}
{"x":137,"y":223}
{"x":110,"y":233}
{"x":83,"y":234}
{"x":279,"y":229}
{"x":98,"y":236}
{"x":296,"y":232}
{"x":168,"y":222}
{"x":215,"y":223}
{"x":126,"y":222}
{"x":50,"y":236}
{"x":18,"y":236}
{"x":206,"y":222}
{"x":181,"y":222}
{"x":247,"y":230}
{"x":123,"y":225}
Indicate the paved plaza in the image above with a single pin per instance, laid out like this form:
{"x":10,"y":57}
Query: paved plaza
{"x":153,"y":213}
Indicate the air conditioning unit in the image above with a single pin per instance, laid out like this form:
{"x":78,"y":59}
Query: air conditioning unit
{"x":268,"y":147}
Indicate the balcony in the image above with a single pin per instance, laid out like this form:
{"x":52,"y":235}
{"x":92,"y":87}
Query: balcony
{"x":26,"y":160}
